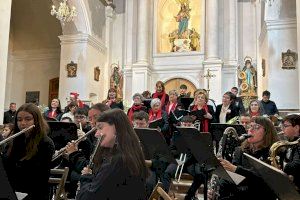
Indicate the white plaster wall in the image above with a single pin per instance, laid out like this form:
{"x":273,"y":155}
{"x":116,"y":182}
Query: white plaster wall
{"x":31,"y":71}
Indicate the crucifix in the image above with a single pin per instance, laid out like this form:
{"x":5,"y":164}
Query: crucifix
{"x":208,"y":76}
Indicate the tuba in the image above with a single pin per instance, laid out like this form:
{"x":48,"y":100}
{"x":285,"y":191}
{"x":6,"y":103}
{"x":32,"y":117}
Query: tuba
{"x":278,"y":148}
{"x":229,"y":141}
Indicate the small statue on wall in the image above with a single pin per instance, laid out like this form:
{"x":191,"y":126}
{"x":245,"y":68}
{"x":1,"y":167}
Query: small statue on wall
{"x":116,"y":80}
{"x":288,"y":59}
{"x":96,"y":73}
{"x":248,"y":78}
{"x":72,"y":69}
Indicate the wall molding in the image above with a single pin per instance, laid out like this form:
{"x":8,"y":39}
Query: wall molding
{"x":34,"y":55}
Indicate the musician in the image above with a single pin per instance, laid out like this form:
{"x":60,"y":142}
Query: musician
{"x":120,"y":173}
{"x":255,"y":108}
{"x":263,"y":136}
{"x":28,"y":158}
{"x":7,"y":130}
{"x":203,"y":112}
{"x":245,"y":120}
{"x":291,"y":166}
{"x":112,"y":100}
{"x":161,"y":94}
{"x":54,"y":111}
{"x":160,"y":168}
{"x":137,"y":106}
{"x":157,"y":113}
{"x":70,"y":110}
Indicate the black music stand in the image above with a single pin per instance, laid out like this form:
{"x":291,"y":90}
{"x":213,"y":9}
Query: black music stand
{"x":186,"y":102}
{"x":275,"y":179}
{"x":6,"y":191}
{"x":154,"y":143}
{"x":201,"y":146}
{"x":156,"y":123}
{"x":61,"y":133}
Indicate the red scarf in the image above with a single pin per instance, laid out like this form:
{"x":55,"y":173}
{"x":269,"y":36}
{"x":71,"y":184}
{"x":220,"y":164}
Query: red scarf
{"x":52,"y":114}
{"x":162,"y":96}
{"x":154,"y":116}
{"x":132,"y":110}
{"x":172,"y":108}
{"x":205,"y":122}
{"x":254,"y":114}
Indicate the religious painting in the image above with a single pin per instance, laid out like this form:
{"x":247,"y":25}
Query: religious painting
{"x":288,"y":59}
{"x":247,"y":78}
{"x":72,"y":69}
{"x":96,"y":73}
{"x":179,"y":25}
{"x":33,"y":97}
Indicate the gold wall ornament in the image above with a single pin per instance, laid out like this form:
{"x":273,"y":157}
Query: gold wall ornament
{"x":96,"y":73}
{"x":72,"y":69}
{"x":247,"y":78}
{"x":288,"y":59}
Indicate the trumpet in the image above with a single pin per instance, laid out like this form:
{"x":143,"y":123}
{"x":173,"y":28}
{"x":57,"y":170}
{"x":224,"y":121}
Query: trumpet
{"x":16,"y":135}
{"x":63,"y":150}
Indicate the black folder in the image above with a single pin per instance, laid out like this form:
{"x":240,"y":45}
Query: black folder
{"x":6,"y":191}
{"x":276,"y":179}
{"x":186,"y":102}
{"x":147,"y":103}
{"x":61,"y":133}
{"x":240,"y":129}
{"x":156,"y":123}
{"x":153,"y":144}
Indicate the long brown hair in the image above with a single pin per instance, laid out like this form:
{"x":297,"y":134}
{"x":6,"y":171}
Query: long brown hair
{"x":127,"y":142}
{"x":270,"y":136}
{"x":36,"y":135}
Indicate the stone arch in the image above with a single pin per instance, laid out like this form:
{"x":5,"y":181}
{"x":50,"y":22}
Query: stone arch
{"x":175,"y":82}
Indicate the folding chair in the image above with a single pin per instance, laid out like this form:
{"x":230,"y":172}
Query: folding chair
{"x":58,"y":183}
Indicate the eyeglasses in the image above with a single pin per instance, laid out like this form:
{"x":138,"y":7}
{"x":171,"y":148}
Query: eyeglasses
{"x":283,"y":126}
{"x":255,"y":127}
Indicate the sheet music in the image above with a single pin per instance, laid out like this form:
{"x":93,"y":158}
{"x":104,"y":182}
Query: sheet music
{"x":21,"y":195}
{"x":235,"y":177}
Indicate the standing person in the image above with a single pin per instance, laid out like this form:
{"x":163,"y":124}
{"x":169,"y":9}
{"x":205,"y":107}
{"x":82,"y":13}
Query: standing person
{"x":269,"y":106}
{"x":29,"y":156}
{"x":161,"y":94}
{"x":9,"y":116}
{"x":137,"y":106}
{"x":54,"y":111}
{"x":74,"y":98}
{"x":120,"y":173}
{"x":238,"y":100}
{"x":113,"y":100}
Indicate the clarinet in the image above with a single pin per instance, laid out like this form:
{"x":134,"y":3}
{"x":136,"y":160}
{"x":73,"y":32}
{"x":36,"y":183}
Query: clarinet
{"x":91,"y":163}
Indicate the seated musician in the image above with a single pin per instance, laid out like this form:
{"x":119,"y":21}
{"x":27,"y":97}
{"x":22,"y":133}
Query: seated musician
{"x":157,"y":113}
{"x":263,"y":136}
{"x":160,"y":169}
{"x":255,"y":108}
{"x":70,"y":110}
{"x":204,"y":113}
{"x":137,"y":106}
{"x":291,"y":166}
{"x":119,"y":170}
{"x":27,"y":160}
{"x":112,"y":100}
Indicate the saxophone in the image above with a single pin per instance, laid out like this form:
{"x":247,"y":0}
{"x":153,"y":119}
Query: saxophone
{"x":276,"y":149}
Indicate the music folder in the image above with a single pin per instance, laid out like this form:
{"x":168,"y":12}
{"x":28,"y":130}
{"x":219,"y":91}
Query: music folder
{"x":156,"y":123}
{"x":6,"y":191}
{"x":201,"y":146}
{"x":61,"y":133}
{"x":154,"y":144}
{"x":240,"y":129}
{"x":276,"y":179}
{"x":186,"y":102}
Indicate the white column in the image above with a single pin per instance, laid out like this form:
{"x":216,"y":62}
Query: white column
{"x":5,"y":13}
{"x":212,"y":60}
{"x":212,"y":30}
{"x":232,"y":32}
{"x":143,"y":32}
{"x":298,"y":44}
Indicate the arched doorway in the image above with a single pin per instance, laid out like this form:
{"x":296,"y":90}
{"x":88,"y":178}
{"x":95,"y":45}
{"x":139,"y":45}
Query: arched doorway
{"x":175,"y":83}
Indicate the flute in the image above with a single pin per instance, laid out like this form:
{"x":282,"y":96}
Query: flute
{"x":63,"y":150}
{"x":16,"y":135}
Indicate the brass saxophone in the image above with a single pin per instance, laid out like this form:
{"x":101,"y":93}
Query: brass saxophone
{"x":277,"y":148}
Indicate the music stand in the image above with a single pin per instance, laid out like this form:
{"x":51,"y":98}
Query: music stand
{"x":61,"y":133}
{"x":186,"y":102}
{"x":201,"y":146}
{"x":154,"y":144}
{"x":275,"y":179}
{"x":156,"y":123}
{"x":6,"y":191}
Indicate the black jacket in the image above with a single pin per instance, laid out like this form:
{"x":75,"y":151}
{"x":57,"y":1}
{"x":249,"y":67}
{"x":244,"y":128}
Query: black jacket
{"x":9,"y":117}
{"x":270,"y":107}
{"x":234,"y":112}
{"x":112,"y":182}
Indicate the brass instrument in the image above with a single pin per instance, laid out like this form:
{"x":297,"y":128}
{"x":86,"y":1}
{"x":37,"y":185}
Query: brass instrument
{"x":233,"y":120}
{"x":277,"y":148}
{"x":63,"y":150}
{"x":229,"y":133}
{"x":16,"y":135}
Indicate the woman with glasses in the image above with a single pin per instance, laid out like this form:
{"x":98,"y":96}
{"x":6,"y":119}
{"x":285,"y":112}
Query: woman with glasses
{"x":119,"y":170}
{"x":28,"y":158}
{"x":263,"y":135}
{"x":255,"y":108}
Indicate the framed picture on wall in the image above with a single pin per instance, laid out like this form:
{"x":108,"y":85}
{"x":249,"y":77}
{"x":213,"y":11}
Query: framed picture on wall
{"x":33,"y":97}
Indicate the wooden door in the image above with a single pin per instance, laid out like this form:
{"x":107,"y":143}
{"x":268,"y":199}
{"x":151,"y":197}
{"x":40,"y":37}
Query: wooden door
{"x":175,"y":83}
{"x":53,"y":89}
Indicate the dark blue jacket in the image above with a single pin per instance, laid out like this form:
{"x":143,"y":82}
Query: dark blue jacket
{"x":270,"y":107}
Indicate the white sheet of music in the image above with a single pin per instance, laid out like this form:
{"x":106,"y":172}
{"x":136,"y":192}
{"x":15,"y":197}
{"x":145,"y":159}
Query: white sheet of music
{"x":21,"y":195}
{"x":235,"y":177}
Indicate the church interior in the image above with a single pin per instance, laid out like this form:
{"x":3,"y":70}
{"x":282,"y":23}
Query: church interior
{"x":120,"y":52}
